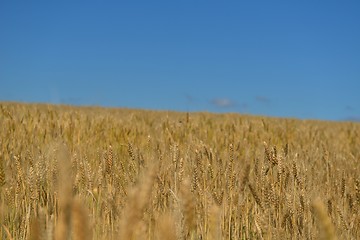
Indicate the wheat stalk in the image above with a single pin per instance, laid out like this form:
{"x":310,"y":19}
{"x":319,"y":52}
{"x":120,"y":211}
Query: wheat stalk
{"x":328,"y":230}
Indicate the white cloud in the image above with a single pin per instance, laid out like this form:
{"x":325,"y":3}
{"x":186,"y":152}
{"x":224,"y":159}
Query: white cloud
{"x":222,"y":102}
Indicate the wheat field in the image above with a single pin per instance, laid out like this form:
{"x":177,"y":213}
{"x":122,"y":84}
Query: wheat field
{"x":101,"y":173}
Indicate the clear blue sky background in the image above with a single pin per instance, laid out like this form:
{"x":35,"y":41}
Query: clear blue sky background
{"x":278,"y":58}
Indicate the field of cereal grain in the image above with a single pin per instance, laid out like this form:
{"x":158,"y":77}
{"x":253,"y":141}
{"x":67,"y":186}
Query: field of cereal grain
{"x":106,"y":173}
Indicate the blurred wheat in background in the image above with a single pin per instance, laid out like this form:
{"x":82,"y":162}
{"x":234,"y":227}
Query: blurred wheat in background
{"x":96,"y":173}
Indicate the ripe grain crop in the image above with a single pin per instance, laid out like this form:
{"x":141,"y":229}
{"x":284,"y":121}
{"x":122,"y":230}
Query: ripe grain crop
{"x":97,"y":173}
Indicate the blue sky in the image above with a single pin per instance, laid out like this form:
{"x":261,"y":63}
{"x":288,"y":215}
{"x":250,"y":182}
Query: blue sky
{"x":276,"y":58}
